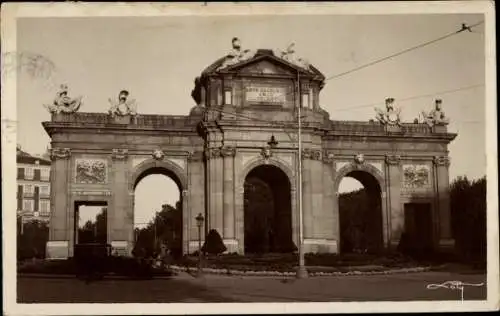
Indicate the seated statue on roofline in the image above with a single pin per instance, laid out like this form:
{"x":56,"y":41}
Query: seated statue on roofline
{"x":236,"y":54}
{"x":289,"y":55}
{"x":436,"y":116}
{"x":390,"y":116}
{"x":122,"y":106}
{"x":63,"y":103}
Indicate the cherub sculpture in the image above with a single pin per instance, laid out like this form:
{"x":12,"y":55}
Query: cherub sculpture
{"x":390,"y":116}
{"x":122,"y":106}
{"x":236,"y":54}
{"x":436,"y":116}
{"x":63,"y":103}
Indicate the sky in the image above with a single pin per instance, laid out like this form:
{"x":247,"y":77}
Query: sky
{"x":157,"y":59}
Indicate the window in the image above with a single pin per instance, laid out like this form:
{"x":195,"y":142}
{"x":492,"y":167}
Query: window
{"x":29,"y":173}
{"x":311,"y":97}
{"x":305,"y":101}
{"x":44,"y":206}
{"x":227,"y":97}
{"x":28,"y":189}
{"x":28,"y":205}
{"x":44,"y":190}
{"x":45,"y":174}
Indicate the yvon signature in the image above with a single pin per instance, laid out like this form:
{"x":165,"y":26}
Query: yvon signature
{"x":453,"y":285}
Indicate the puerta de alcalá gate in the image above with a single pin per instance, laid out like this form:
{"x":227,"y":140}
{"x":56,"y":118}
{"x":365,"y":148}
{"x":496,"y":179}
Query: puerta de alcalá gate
{"x":243,"y":133}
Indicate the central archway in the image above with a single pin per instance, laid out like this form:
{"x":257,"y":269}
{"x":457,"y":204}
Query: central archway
{"x":267,"y":211}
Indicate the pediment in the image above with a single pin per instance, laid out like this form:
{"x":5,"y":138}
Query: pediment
{"x":266,"y":67}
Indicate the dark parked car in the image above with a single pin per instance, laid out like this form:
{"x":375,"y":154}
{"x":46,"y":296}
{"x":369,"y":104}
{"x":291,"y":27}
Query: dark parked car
{"x":92,"y":260}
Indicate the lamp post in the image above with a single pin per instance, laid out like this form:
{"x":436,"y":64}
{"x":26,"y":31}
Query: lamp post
{"x":199,"y":223}
{"x":301,"y":271}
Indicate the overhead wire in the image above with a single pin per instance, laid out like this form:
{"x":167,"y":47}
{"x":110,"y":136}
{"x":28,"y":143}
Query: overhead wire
{"x":289,"y":125}
{"x":411,"y":98}
{"x":464,"y":28}
{"x":353,"y":107}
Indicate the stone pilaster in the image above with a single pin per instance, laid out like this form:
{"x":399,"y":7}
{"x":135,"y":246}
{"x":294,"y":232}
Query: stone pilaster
{"x":196,"y":196}
{"x":329,"y":212}
{"x":442,"y":187}
{"x":396,"y":213}
{"x":215,"y":216}
{"x":228,"y":154}
{"x":120,"y":214}
{"x":317,"y":195}
{"x":307,"y":207}
{"x":61,"y":232}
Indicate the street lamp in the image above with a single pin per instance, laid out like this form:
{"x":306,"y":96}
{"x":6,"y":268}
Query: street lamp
{"x":199,"y":223}
{"x":301,"y":271}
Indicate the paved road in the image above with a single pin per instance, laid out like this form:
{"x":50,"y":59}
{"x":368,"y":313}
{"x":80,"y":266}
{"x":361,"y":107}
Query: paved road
{"x":211,"y":288}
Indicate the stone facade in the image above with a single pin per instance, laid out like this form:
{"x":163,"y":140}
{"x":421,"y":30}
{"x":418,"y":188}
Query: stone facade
{"x":210,"y":152}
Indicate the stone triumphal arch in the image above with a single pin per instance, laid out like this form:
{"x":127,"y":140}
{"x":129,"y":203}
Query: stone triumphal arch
{"x":245,"y":118}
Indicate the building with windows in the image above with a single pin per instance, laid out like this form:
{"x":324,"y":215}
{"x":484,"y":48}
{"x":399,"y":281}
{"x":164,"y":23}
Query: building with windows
{"x":33,"y":186}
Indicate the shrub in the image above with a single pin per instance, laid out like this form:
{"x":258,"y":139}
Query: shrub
{"x":213,"y":243}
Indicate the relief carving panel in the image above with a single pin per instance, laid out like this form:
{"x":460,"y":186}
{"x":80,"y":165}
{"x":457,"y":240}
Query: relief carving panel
{"x":416,"y":177}
{"x":90,"y":171}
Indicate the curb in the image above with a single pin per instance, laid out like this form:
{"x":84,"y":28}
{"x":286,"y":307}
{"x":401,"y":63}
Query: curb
{"x":291,"y":274}
{"x":72,"y":276}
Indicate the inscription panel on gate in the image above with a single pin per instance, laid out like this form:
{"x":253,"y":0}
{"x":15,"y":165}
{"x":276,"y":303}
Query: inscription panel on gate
{"x":258,"y":94}
{"x":90,"y":171}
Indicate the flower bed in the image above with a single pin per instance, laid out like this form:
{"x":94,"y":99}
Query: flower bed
{"x":286,"y":264}
{"x":289,"y":261}
{"x":313,"y":273}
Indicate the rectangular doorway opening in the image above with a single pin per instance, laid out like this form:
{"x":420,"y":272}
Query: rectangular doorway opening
{"x":418,"y":228}
{"x":91,"y":222}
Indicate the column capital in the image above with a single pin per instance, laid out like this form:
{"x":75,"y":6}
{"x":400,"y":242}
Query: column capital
{"x":60,"y":153}
{"x":195,"y":156}
{"x":119,"y":154}
{"x":442,"y":161}
{"x":312,"y":154}
{"x":228,"y":151}
{"x":393,"y":159}
{"x":212,"y":153}
{"x":328,"y":156}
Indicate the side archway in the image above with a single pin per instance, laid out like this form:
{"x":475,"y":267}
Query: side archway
{"x":177,"y":213}
{"x":367,"y":230}
{"x":152,"y":166}
{"x":365,"y":167}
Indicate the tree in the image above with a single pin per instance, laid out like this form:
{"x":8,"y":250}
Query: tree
{"x":353,"y":208}
{"x":213,"y":244}
{"x":94,"y":232}
{"x":31,"y":243}
{"x":468,"y":217}
{"x":166,"y":228}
